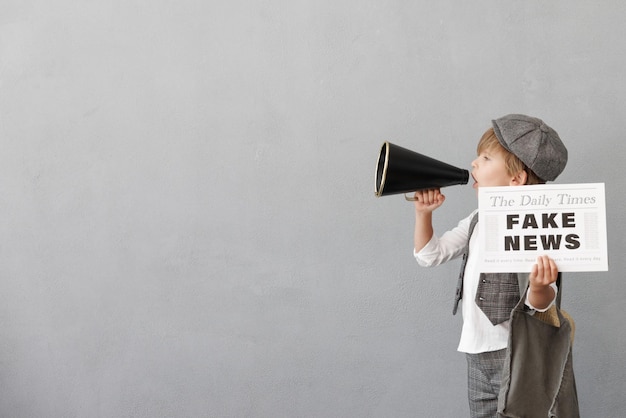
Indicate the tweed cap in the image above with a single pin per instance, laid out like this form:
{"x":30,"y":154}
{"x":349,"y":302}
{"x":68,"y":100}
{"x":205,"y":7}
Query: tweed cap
{"x":536,"y":144}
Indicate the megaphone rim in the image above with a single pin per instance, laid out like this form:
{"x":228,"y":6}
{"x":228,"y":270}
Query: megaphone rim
{"x":379,"y":190}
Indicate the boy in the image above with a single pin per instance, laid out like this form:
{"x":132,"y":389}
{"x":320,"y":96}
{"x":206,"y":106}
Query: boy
{"x":517,"y":150}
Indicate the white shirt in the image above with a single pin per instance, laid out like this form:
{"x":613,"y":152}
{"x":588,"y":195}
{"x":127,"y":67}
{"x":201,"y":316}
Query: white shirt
{"x":478,"y":334}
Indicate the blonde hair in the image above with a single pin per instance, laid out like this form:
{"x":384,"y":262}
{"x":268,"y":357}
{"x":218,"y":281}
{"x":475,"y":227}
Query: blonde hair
{"x":513,"y":165}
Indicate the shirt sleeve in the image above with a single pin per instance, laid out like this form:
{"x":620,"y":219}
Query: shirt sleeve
{"x":447,"y":247}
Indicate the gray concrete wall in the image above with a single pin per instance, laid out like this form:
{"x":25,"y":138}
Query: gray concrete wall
{"x":188,"y":226}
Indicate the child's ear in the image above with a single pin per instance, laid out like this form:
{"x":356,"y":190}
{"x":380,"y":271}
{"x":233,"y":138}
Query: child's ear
{"x":519,"y":179}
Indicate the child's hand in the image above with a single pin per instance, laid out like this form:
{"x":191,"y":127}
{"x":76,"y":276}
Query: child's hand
{"x":428,"y":200}
{"x":544,"y":273}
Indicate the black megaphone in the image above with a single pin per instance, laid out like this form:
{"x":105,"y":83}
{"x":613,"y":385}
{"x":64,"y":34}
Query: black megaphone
{"x":400,"y":170}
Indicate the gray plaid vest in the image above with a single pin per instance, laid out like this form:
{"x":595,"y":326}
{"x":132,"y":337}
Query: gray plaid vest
{"x":497,"y":293}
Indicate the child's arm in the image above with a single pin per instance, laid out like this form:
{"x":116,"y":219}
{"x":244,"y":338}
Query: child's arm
{"x":426,"y":201}
{"x":544,"y":273}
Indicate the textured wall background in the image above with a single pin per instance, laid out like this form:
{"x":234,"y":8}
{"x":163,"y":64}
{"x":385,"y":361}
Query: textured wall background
{"x":188,"y":226}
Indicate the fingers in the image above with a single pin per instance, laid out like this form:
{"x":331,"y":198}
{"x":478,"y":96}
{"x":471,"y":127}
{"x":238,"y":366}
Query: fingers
{"x":544,"y":271}
{"x":429,"y":197}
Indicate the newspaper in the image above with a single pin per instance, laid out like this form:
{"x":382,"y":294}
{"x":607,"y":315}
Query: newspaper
{"x":566,"y":222}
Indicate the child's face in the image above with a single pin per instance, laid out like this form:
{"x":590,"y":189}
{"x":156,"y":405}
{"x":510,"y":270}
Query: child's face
{"x":489,"y":169}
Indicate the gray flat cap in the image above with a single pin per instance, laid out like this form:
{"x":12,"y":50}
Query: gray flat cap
{"x":533,"y":142}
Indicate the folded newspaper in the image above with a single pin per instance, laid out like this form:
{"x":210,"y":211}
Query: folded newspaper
{"x":566,"y":222}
